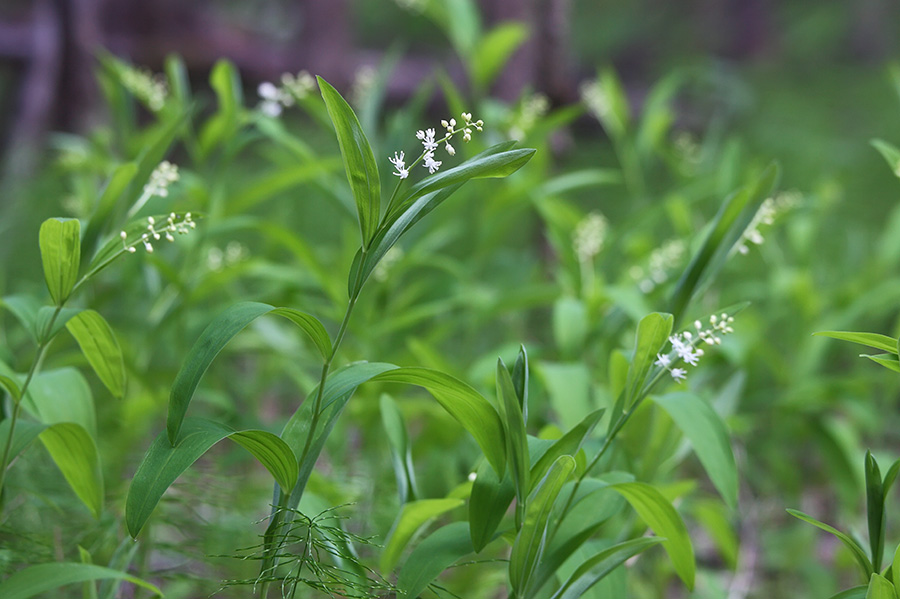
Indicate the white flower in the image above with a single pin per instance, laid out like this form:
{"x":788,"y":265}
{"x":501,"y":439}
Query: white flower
{"x":663,"y":360}
{"x":427,"y":138}
{"x":430,"y":163}
{"x":400,"y":165}
{"x":450,"y":149}
{"x":679,"y":374}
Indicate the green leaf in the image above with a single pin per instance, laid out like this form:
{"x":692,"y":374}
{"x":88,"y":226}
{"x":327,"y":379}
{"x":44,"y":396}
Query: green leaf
{"x":708,"y":436}
{"x":488,"y":503}
{"x":222,"y":126}
{"x":464,"y":403}
{"x":516,"y":439}
{"x":595,"y":569}
{"x":880,"y":588}
{"x":359,"y":162}
{"x":882,"y":342}
{"x":11,"y":387}
{"x":25,"y":308}
{"x":569,"y":387}
{"x":26,"y":432}
{"x":60,"y":241}
{"x":895,"y":566}
{"x":729,"y":224}
{"x":889,"y":361}
{"x":412,"y":517}
{"x":432,"y":556}
{"x":890,"y":153}
{"x":652,"y":333}
{"x":51,"y":321}
{"x":73,"y":451}
{"x":875,"y":509}
{"x":494,"y":50}
{"x":164,"y":463}
{"x":570,"y":326}
{"x":520,"y":380}
{"x":532,"y":537}
{"x":853,"y":593}
{"x":617,"y":119}
{"x":401,"y":451}
{"x":115,"y":188}
{"x":216,"y":335}
{"x":45,"y":577}
{"x":99,"y":345}
{"x":568,"y":444}
{"x":61,"y":395}
{"x":495,"y":162}
{"x":858,"y":552}
{"x":657,"y":513}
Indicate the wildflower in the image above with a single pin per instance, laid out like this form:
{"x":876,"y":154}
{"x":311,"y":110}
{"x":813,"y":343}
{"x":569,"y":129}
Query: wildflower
{"x":589,"y":236}
{"x":662,"y":261}
{"x":363,"y":84}
{"x":400,"y":165}
{"x":684,"y":344}
{"x":174,"y":224}
{"x":162,"y":176}
{"x":528,"y":113}
{"x":149,"y":88}
{"x":427,"y":139}
{"x":430,"y":163}
{"x":765,"y":216}
{"x":450,"y":149}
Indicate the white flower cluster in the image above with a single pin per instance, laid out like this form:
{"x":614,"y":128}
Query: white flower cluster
{"x":292,"y":88}
{"x":162,"y":176}
{"x":765,"y":216}
{"x":430,"y":144}
{"x":217,"y":259}
{"x":684,"y":345}
{"x":595,"y":99}
{"x":148,"y":87}
{"x":363,"y":83}
{"x":662,"y":260}
{"x":589,"y":236}
{"x":530,"y":110}
{"x":174,"y":224}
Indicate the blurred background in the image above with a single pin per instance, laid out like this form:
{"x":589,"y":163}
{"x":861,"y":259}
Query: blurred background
{"x":713,"y":91}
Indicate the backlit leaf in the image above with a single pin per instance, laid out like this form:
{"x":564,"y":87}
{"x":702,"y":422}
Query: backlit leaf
{"x":99,"y":345}
{"x":60,"y":242}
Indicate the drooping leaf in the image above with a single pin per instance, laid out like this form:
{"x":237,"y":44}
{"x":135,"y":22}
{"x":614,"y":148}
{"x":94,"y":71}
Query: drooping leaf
{"x":432,"y":556}
{"x":164,"y":463}
{"x":657,"y":513}
{"x":532,"y":537}
{"x":652,"y":332}
{"x":858,"y":552}
{"x":412,"y":517}
{"x":99,"y":345}
{"x":889,"y":361}
{"x":882,"y":342}
{"x":595,"y":569}
{"x":41,"y":578}
{"x":60,"y":242}
{"x":61,"y":395}
{"x":359,"y":161}
{"x":708,"y":436}
{"x":464,"y":403}
{"x":216,"y":335}
{"x":75,"y":454}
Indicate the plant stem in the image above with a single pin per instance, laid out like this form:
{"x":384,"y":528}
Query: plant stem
{"x":38,"y":358}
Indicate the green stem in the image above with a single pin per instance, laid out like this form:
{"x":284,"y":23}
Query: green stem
{"x":38,"y":358}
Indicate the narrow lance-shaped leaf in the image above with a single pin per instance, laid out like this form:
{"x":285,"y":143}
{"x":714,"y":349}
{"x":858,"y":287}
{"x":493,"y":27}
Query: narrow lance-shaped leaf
{"x":41,"y":578}
{"x":60,"y":242}
{"x":709,"y":438}
{"x":595,"y":569}
{"x":652,"y":333}
{"x":11,"y":387}
{"x":216,"y":335}
{"x":889,"y":361}
{"x":532,"y":538}
{"x":401,"y":453}
{"x":165,"y":463}
{"x":657,"y":513}
{"x":359,"y":162}
{"x":882,"y":342}
{"x":516,"y":439}
{"x":412,"y":517}
{"x":858,"y":552}
{"x":728,"y":226}
{"x":520,"y":380}
{"x":99,"y":346}
{"x":875,"y":509}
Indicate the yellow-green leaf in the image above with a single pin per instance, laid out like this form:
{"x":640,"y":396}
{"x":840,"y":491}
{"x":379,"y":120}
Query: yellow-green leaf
{"x":60,"y":242}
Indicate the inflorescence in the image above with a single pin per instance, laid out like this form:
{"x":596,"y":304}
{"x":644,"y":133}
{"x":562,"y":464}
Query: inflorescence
{"x":292,"y":89}
{"x":431,"y":144}
{"x":174,"y":224}
{"x":684,"y":345}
